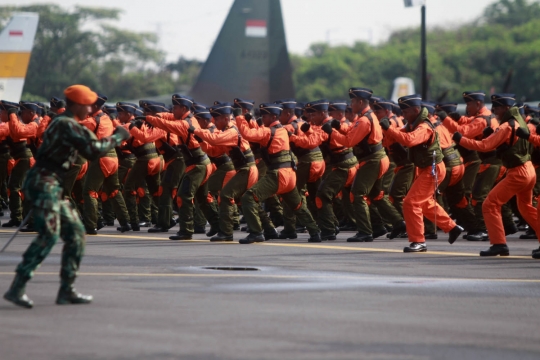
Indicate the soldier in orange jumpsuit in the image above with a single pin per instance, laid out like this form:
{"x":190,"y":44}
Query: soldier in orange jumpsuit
{"x":520,"y":177}
{"x":102,"y":176}
{"x":365,"y":136}
{"x":425,"y":152}
{"x":198,"y":169}
{"x":6,"y":162}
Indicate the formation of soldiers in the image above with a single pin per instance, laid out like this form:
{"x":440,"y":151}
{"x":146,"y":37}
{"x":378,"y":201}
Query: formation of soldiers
{"x":370,"y":165}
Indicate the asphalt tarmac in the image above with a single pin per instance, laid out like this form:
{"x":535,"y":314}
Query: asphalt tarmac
{"x":287,"y":299}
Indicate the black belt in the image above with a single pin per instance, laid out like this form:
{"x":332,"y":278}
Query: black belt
{"x":487,"y":155}
{"x":195,"y":160}
{"x":448,"y":158}
{"x":220,"y":160}
{"x":301,"y":152}
{"x":337,"y":158}
{"x":140,"y":152}
{"x":282,"y":165}
{"x":4,"y":150}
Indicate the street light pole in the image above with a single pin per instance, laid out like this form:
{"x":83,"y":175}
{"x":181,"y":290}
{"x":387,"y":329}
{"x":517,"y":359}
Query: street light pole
{"x":423,"y":55}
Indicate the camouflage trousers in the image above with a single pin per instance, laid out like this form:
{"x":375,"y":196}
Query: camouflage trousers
{"x":54,"y":217}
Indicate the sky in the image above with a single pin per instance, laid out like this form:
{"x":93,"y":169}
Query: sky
{"x":189,"y":28}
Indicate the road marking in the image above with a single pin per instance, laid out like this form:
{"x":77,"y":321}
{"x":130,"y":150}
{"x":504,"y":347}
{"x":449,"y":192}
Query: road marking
{"x":307,"y":246}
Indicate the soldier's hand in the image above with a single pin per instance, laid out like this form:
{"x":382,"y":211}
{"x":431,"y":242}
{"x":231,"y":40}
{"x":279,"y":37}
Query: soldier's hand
{"x":488,"y":131}
{"x":522,"y":133}
{"x":132,"y":124}
{"x":120,"y":130}
{"x":457,"y":137}
{"x":385,"y":124}
{"x":305,"y":127}
{"x":327,"y":128}
{"x":198,"y":138}
{"x":442,"y":115}
{"x":336,"y":124}
{"x":237,"y":111}
{"x":13,"y":110}
{"x":248,"y":116}
{"x":191,"y":129}
{"x":51,"y":114}
{"x":259,"y":122}
{"x":455,"y":116}
{"x":289,"y":133}
{"x":303,"y":117}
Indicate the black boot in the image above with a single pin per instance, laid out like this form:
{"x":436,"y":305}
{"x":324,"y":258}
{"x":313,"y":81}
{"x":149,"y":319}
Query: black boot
{"x":199,"y":229}
{"x":536,"y":251}
{"x":430,"y":236}
{"x":510,"y":229}
{"x":68,"y":295}
{"x":124,"y":228}
{"x":359,"y":237}
{"x":221,"y":237}
{"x":315,"y":238}
{"x":328,"y":236}
{"x":181,"y":236}
{"x":497,"y":249}
{"x":12,"y":223}
{"x":415,"y":247}
{"x":397,"y":230}
{"x":252,"y":238}
{"x":16,"y":293}
{"x":100,"y":224}
{"x":91,"y":231}
{"x":135,"y":227}
{"x":109,"y":223}
{"x":300,"y":229}
{"x":381,"y":231}
{"x":212,"y":232}
{"x":454,"y":234}
{"x":287,"y":235}
{"x":28,"y":228}
{"x":529,"y":235}
{"x":143,"y":224}
{"x":271,"y":234}
{"x":476,"y":235}
{"x":158,"y":229}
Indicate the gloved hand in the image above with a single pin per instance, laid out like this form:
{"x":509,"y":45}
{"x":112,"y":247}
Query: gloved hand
{"x":248,"y":116}
{"x":336,"y":124}
{"x":385,"y":124}
{"x":488,"y":131}
{"x":237,"y":112}
{"x":198,"y":138}
{"x":289,"y":133}
{"x":132,"y":124}
{"x":259,"y":122}
{"x":455,"y":116}
{"x":191,"y":129}
{"x":305,"y":127}
{"x":13,"y":110}
{"x":327,"y":128}
{"x":442,"y":115}
{"x":120,"y":130}
{"x":457,"y":137}
{"x":522,"y":133}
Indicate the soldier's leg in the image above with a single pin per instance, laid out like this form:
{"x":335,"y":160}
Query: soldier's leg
{"x":188,"y":187}
{"x":485,"y":180}
{"x":15,"y":194}
{"x":111,"y":193}
{"x":145,"y":208}
{"x":134,"y":190}
{"x":289,"y":219}
{"x":91,"y":188}
{"x":152,"y":186}
{"x":199,"y":221}
{"x":107,"y":211}
{"x":229,"y":195}
{"x":329,"y":187}
{"x":363,"y":182}
{"x":206,"y":204}
{"x":471,"y":170}
{"x":400,"y":186}
{"x":265,"y":188}
{"x":297,"y":203}
{"x":4,"y":158}
{"x":168,"y":191}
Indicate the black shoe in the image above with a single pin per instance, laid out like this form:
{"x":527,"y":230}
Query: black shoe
{"x":522,"y":225}
{"x":28,"y":228}
{"x":199,"y":230}
{"x":244,"y":228}
{"x":180,"y":236}
{"x":172,"y":223}
{"x":348,"y":227}
{"x":124,"y":228}
{"x":497,"y":249}
{"x":300,"y":229}
{"x":430,"y":236}
{"x":315,"y":238}
{"x":360,"y":238}
{"x":100,"y":224}
{"x":144,"y":224}
{"x":135,"y":227}
{"x":236,"y":227}
{"x":337,"y":230}
{"x":109,"y":223}
{"x":1,"y":212}
{"x":536,"y":255}
{"x":535,"y":251}
{"x":380,"y":232}
{"x":476,"y":235}
{"x":510,"y":229}
{"x":71,"y":296}
{"x":396,"y":231}
{"x":4,"y":205}
{"x":454,"y":234}
{"x":242,"y":220}
{"x":328,"y":236}
{"x":16,"y":293}
{"x":158,"y":229}
{"x":271,"y":234}
{"x":415,"y":247}
{"x":12,"y":223}
{"x":287,"y":235}
{"x":221,"y":237}
{"x":91,"y":231}
{"x":529,"y":235}
{"x":252,"y":238}
{"x":212,"y":232}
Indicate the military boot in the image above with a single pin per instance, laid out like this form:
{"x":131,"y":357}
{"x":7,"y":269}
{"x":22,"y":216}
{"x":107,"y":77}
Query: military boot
{"x":16,"y":293}
{"x":68,"y":295}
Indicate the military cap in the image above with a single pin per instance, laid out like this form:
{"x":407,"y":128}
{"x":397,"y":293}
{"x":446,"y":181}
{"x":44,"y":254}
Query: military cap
{"x":139,"y":111}
{"x":299,"y":109}
{"x":318,"y":105}
{"x":42,"y":110}
{"x":521,"y":108}
{"x":270,"y":108}
{"x":202,"y":113}
{"x":57,"y":103}
{"x":196,"y":106}
{"x":80,"y":94}
{"x":153,"y":106}
{"x":362,"y":93}
{"x":408,"y":101}
{"x":126,"y":107}
{"x":217,"y":102}
{"x":430,"y":106}
{"x":29,"y":105}
{"x":224,"y":108}
{"x":503,"y":99}
{"x":109,"y":109}
{"x":244,"y":104}
{"x":531,"y":109}
{"x":447,"y":107}
{"x":183,"y":100}
{"x":348,"y":109}
{"x":477,"y":95}
{"x":101,"y":100}
{"x":374,"y":98}
{"x":382,"y":104}
{"x":395,"y":108}
{"x":338,"y":105}
{"x":6,"y":105}
{"x":286,"y":103}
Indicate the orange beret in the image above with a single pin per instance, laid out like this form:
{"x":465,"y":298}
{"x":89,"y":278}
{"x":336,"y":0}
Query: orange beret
{"x":80,"y":94}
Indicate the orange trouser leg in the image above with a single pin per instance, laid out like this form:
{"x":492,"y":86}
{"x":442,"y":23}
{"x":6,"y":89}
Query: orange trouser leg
{"x":419,"y":202}
{"x":519,"y":181}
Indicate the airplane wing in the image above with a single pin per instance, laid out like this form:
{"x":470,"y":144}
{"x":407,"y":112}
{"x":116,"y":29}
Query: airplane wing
{"x":16,"y":42}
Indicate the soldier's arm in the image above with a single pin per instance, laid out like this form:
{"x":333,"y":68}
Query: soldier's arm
{"x":148,"y":134}
{"x":309,"y":140}
{"x":419,"y":136}
{"x":43,"y":126}
{"x":89,"y":123}
{"x":20,"y":130}
{"x":470,"y":130}
{"x":4,"y":131}
{"x":85,"y":142}
{"x":228,"y":137}
{"x":260,"y":135}
{"x":490,"y":143}
{"x":166,"y":122}
{"x":356,"y":134}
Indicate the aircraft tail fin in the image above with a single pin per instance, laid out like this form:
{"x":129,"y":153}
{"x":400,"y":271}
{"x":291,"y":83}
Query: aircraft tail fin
{"x":403,"y":86}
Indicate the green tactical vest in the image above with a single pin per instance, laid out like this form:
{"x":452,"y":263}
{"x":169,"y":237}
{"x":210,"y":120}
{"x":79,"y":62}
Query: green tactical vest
{"x":422,"y":155}
{"x":517,"y":153}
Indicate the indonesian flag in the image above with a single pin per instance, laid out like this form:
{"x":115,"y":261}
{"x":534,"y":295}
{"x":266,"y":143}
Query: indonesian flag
{"x":411,"y":3}
{"x":15,"y":33}
{"x":256,"y":28}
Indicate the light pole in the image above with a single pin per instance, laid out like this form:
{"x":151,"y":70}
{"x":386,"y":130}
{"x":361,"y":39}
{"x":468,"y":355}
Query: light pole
{"x":423,"y":54}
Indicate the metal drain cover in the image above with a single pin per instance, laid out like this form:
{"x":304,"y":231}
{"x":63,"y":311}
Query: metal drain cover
{"x":231,"y":268}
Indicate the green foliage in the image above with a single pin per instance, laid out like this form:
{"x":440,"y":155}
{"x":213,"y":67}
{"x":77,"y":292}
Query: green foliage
{"x":479,"y":55}
{"x":82,"y":46}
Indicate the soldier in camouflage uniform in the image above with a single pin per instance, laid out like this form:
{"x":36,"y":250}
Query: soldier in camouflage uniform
{"x":54,"y":216}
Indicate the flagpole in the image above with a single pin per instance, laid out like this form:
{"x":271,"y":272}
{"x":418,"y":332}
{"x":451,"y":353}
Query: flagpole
{"x":423,"y":55}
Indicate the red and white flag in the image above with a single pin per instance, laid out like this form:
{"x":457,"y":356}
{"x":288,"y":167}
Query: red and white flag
{"x":256,"y":28}
{"x":15,"y":33}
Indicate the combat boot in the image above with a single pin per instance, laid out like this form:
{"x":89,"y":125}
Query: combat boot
{"x":221,"y":237}
{"x":287,"y":235}
{"x":135,"y":227}
{"x":359,"y":237}
{"x":181,"y":236}
{"x":252,"y":238}
{"x":212,"y":232}
{"x":415,"y":247}
{"x":16,"y":293}
{"x":158,"y":229}
{"x":454,"y":234}
{"x":124,"y":228}
{"x":397,"y":230}
{"x":271,"y":234}
{"x":315,"y":238}
{"x":497,"y":249}
{"x":12,"y":223}
{"x":68,"y":295}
